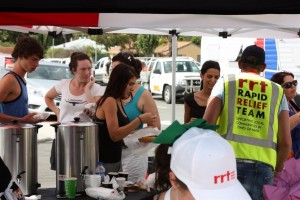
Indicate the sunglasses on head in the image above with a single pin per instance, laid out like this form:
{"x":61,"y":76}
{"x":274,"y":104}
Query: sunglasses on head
{"x":124,"y":57}
{"x":290,"y":84}
{"x":127,"y":56}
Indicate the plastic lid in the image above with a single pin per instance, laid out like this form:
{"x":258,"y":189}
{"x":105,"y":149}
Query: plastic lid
{"x":99,"y":163}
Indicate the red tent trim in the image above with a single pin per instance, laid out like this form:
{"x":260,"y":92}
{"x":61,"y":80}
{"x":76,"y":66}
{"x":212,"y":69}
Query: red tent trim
{"x":54,"y":19}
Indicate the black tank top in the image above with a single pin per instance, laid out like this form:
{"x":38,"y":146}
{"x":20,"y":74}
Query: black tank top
{"x":197,"y":111}
{"x":109,"y":151}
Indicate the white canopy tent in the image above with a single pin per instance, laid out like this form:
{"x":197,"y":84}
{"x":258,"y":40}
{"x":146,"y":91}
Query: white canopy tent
{"x":263,"y":25}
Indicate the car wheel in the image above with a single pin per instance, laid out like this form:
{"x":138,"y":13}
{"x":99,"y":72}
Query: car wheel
{"x":167,"y":94}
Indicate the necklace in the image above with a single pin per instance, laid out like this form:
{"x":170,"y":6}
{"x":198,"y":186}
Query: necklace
{"x":126,"y":100}
{"x":201,"y":98}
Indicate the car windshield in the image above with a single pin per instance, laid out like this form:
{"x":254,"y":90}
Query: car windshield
{"x":50,"y":72}
{"x":181,"y":66}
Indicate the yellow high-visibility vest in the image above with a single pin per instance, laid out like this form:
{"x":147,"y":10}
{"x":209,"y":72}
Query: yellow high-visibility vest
{"x":249,"y":118}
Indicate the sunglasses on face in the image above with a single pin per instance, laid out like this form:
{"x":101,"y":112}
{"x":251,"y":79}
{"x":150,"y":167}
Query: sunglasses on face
{"x":290,"y":84}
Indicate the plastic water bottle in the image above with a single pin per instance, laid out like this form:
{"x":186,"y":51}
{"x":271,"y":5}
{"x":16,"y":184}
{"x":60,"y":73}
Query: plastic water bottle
{"x":100,"y":170}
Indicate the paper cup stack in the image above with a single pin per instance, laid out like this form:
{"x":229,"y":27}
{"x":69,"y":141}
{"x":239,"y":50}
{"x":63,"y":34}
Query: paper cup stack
{"x":92,"y":180}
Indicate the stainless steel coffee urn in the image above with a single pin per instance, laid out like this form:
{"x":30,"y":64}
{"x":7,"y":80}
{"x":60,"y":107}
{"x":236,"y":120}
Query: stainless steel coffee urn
{"x":18,"y":149}
{"x":76,"y":153}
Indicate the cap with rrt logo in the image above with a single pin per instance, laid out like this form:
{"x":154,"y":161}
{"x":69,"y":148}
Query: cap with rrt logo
{"x":206,"y":163}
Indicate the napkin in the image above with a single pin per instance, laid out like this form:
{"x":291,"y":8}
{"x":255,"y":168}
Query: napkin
{"x":138,"y":148}
{"x":104,"y":193}
{"x":33,"y":197}
{"x":41,"y":116}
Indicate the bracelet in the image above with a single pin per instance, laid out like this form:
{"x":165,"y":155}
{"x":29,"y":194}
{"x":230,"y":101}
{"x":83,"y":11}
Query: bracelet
{"x":140,"y":120}
{"x":277,"y":172}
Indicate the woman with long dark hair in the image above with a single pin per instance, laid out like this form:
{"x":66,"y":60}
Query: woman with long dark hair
{"x":115,"y":124}
{"x":141,"y":101}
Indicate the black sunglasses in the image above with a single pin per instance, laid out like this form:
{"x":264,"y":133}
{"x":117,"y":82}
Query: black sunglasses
{"x":289,"y":84}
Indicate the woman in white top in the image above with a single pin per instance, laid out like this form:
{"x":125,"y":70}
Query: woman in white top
{"x":76,"y":92}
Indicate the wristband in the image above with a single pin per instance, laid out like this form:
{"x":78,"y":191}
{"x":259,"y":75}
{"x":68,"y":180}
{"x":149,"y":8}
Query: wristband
{"x":140,"y":120}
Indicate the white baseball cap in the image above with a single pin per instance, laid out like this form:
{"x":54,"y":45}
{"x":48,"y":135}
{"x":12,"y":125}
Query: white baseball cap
{"x":206,"y":163}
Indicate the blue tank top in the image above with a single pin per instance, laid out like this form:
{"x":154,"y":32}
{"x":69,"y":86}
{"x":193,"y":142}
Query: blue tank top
{"x":19,"y":106}
{"x":131,"y":108}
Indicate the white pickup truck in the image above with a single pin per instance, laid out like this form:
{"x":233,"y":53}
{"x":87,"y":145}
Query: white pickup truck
{"x":187,"y":77}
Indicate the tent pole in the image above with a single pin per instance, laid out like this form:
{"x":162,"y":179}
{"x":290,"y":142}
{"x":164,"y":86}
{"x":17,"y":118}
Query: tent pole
{"x":174,"y":55}
{"x":95,"y":53}
{"x":52,"y":47}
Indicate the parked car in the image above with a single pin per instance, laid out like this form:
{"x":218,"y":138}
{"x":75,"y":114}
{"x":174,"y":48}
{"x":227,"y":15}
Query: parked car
{"x":187,"y":77}
{"x":46,"y":75}
{"x":6,"y":61}
{"x":146,"y":71}
{"x":100,"y":71}
{"x":102,"y":77}
{"x":58,"y":60}
{"x":198,"y":64}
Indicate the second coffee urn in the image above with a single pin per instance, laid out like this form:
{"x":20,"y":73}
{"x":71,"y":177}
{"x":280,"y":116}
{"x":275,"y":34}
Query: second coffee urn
{"x":76,"y":153}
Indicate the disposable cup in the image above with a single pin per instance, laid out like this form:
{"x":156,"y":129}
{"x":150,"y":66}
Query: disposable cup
{"x":70,"y":187}
{"x":112,"y":174}
{"x":107,"y":185}
{"x":124,"y":174}
{"x":121,"y":182}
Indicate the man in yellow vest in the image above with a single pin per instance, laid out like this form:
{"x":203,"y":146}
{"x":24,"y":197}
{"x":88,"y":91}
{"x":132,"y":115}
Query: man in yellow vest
{"x":252,"y":113}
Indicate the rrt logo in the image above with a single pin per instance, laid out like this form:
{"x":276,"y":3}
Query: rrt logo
{"x":251,"y":84}
{"x":228,"y":176}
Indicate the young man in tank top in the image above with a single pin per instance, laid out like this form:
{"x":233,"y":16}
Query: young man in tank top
{"x":14,"y":101}
{"x":14,"y":98}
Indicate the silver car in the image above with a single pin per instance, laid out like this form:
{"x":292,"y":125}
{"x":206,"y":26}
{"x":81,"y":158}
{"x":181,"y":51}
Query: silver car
{"x":46,"y":75}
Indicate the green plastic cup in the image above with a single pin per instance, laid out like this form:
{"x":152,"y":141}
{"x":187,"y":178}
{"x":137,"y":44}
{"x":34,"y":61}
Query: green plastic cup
{"x":70,"y":187}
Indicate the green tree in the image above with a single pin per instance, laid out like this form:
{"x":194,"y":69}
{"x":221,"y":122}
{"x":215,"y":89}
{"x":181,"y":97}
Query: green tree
{"x":64,"y":53}
{"x":163,"y":40}
{"x":8,"y":38}
{"x":147,"y":43}
{"x":45,"y":40}
{"x":126,"y":41}
{"x":196,"y":40}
